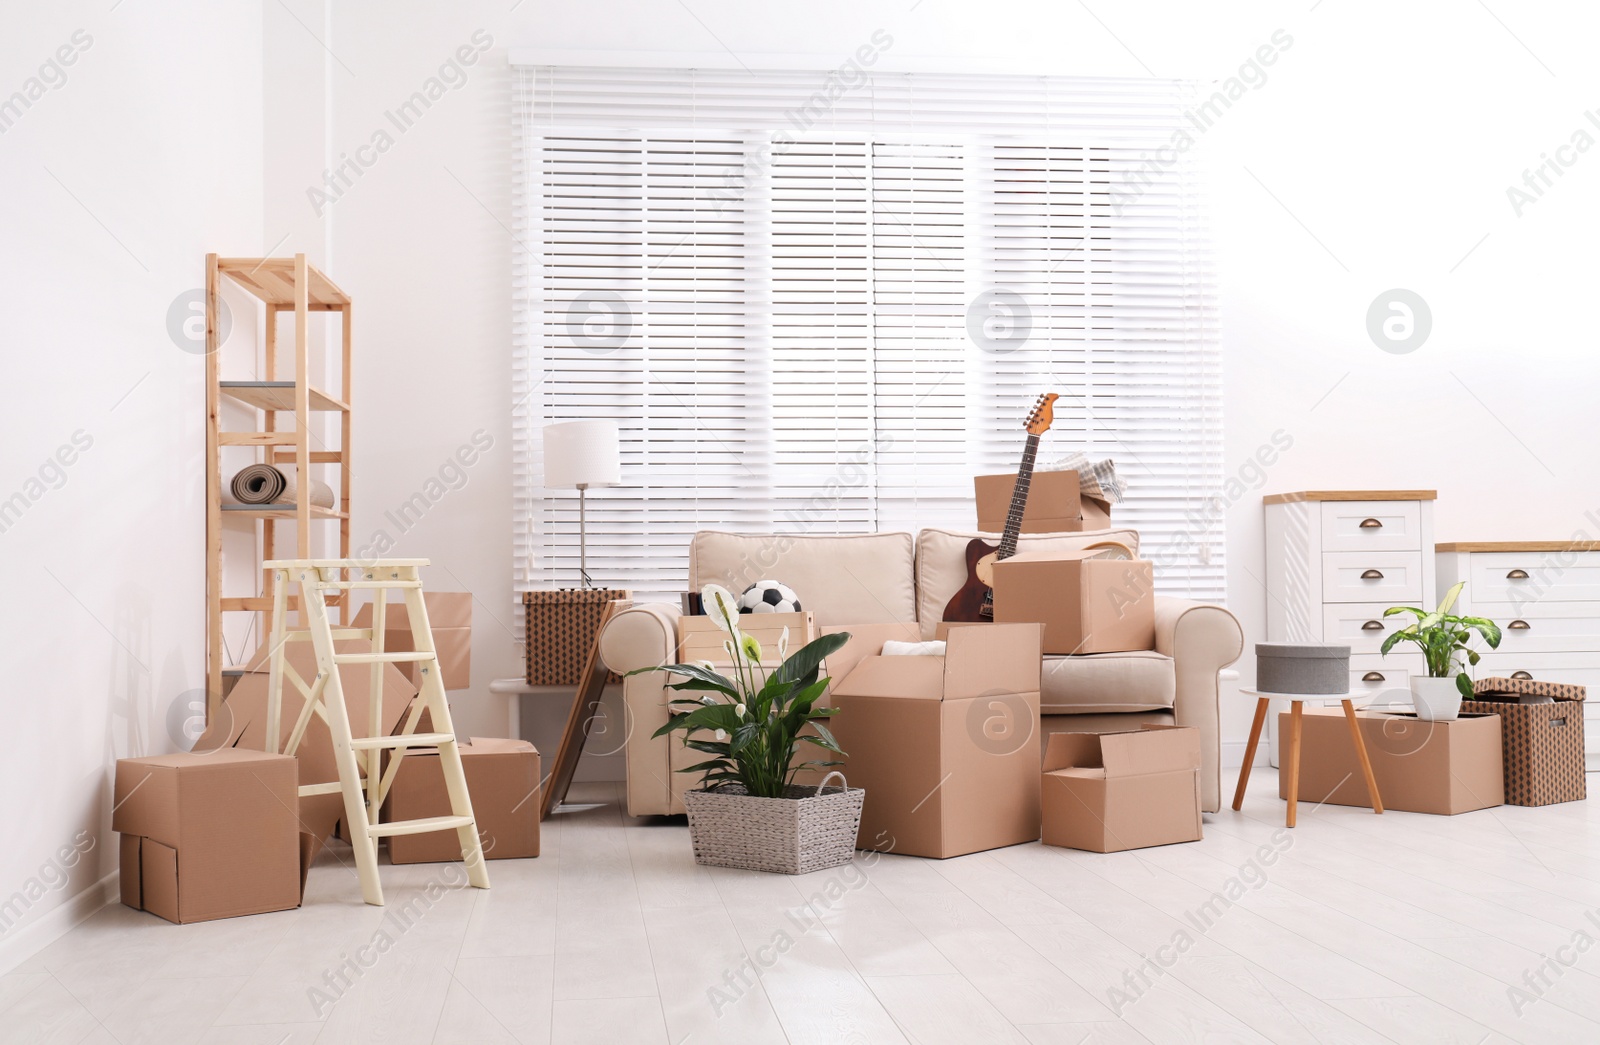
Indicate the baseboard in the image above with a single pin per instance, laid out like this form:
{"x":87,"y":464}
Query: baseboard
{"x":1233,"y":754}
{"x":25,"y":941}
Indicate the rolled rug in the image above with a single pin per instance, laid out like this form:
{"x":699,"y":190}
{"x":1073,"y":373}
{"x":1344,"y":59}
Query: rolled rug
{"x":269,"y":484}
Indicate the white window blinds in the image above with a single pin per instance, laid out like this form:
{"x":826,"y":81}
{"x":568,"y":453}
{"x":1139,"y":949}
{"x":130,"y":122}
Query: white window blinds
{"x":825,"y":315}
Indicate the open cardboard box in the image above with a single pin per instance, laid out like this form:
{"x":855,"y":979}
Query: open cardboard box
{"x":946,"y":747}
{"x":701,"y":639}
{"x":1055,"y":504}
{"x":1108,"y":792}
{"x":1086,"y":603}
{"x":449,"y":618}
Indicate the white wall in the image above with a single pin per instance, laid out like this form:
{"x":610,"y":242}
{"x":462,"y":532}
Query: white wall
{"x":116,"y":182}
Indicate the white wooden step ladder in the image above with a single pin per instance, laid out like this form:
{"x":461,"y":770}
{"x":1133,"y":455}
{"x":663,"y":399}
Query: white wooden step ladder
{"x":363,"y":780}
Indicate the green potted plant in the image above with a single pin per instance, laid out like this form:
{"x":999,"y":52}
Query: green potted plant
{"x":752,"y":721}
{"x":1443,"y":639}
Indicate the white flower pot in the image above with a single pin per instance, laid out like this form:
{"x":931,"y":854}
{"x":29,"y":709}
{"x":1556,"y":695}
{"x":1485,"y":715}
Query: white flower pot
{"x":1436,"y":700}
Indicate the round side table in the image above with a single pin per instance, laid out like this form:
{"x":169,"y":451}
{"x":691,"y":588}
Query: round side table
{"x":1297,"y":700}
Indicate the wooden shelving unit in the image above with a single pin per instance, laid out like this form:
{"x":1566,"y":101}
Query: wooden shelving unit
{"x":294,"y":289}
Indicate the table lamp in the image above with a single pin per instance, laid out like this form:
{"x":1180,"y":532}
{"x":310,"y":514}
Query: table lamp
{"x":578,"y":455}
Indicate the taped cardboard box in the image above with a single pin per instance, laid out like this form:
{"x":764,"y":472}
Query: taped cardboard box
{"x":1055,"y":504}
{"x":503,"y":782}
{"x":449,"y":618}
{"x":208,"y":835}
{"x":1541,"y":737}
{"x":946,"y":747}
{"x":1109,"y":792}
{"x":1420,"y":766}
{"x":1087,"y":604}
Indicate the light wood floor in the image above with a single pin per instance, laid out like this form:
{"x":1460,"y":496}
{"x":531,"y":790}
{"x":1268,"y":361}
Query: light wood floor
{"x":1402,"y":928}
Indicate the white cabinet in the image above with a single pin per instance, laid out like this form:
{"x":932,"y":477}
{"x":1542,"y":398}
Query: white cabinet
{"x":1336,"y":559}
{"x":1545,"y":595}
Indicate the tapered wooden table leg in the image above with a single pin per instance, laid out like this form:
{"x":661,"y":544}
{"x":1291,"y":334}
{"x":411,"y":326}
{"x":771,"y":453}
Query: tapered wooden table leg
{"x":1294,"y":761}
{"x":1250,"y":751}
{"x":1361,"y":755}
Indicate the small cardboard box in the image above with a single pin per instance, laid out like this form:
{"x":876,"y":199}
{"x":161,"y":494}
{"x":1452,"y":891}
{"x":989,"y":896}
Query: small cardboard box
{"x":1420,"y":766}
{"x":1055,"y":504}
{"x":1086,"y":603}
{"x":699,"y":638}
{"x":503,"y":781}
{"x":1541,"y":743}
{"x":1107,"y":792}
{"x":208,"y":836}
{"x":946,"y":747}
{"x":449,"y":617}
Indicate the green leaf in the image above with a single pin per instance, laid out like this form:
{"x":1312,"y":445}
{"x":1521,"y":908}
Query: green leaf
{"x":741,"y":737}
{"x":1450,"y":597}
{"x":1393,"y":638}
{"x":695,"y":671}
{"x":715,"y":763}
{"x":1472,"y":657}
{"x":827,"y":744}
{"x":803,"y":663}
{"x":710,"y":747}
{"x":1464,"y":684}
{"x":702,"y":686}
{"x":827,"y":735}
{"x":1392,"y":610}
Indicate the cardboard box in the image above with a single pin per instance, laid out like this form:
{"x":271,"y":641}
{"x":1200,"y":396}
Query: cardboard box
{"x":1420,"y":766}
{"x":1107,"y":792}
{"x":208,"y":836}
{"x":1055,"y":504}
{"x":699,"y":638}
{"x":1087,"y":604}
{"x":449,"y":617}
{"x":503,"y":780}
{"x":1541,"y":744}
{"x":946,"y":747}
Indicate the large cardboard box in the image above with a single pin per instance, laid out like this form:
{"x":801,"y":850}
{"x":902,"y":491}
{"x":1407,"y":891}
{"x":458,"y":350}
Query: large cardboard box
{"x":1055,"y":504}
{"x":946,"y":747}
{"x":449,"y":617}
{"x":700,"y":639}
{"x":1541,"y":737}
{"x":503,"y":781}
{"x":1107,"y":792}
{"x":1086,"y":603}
{"x":1420,"y":766}
{"x":208,"y":836}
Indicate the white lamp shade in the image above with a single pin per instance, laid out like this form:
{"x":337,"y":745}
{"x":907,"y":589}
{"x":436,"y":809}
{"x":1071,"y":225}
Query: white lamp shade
{"x":582,"y":453}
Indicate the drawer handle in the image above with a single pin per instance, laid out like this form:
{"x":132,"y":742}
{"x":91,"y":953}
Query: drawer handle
{"x":1518,"y":625}
{"x":1522,"y":675}
{"x":1372,"y":625}
{"x":1371,"y":524}
{"x":1372,"y":575}
{"x":1373,"y":676}
{"x":1517,"y":575}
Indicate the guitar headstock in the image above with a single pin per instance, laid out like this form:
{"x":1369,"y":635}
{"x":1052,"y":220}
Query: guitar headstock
{"x":1043,"y":414}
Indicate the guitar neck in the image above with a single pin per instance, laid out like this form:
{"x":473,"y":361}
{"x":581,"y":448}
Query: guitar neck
{"x":1019,"y":499}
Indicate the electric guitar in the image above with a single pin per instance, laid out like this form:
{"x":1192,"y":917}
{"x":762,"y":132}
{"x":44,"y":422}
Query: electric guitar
{"x":975,"y":601}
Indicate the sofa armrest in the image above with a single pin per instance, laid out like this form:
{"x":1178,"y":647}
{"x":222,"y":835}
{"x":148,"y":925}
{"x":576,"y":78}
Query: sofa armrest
{"x":1202,"y":639}
{"x":643,"y":636}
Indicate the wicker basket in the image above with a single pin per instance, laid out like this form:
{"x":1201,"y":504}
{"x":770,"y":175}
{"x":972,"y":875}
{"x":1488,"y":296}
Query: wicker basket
{"x":806,"y":830}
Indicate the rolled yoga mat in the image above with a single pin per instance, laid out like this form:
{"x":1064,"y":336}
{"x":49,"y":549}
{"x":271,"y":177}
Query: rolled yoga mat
{"x":268,"y":484}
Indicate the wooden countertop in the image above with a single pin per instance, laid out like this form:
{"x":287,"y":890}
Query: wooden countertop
{"x":1518,"y":546}
{"x":1351,"y":495}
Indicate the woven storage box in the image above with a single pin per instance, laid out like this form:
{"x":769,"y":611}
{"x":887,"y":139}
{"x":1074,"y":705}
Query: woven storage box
{"x":561,"y":631}
{"x":810,"y":829}
{"x":1542,"y":743}
{"x":1293,"y":667}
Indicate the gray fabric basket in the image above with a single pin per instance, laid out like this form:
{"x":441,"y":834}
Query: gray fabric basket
{"x":809,"y":829}
{"x":1299,"y":667}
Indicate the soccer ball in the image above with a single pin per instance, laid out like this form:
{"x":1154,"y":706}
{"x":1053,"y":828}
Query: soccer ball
{"x":769,"y":597}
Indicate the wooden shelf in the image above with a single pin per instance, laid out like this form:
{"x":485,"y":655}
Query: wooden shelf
{"x":1350,"y":495}
{"x":279,"y":510}
{"x":272,"y":280}
{"x":1537,"y":547}
{"x":278,"y":395}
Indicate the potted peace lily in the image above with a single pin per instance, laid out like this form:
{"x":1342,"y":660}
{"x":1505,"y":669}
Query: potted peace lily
{"x":1443,"y":639}
{"x":752,"y":717}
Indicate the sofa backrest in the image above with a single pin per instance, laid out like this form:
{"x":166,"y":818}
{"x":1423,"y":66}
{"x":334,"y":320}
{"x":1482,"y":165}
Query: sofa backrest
{"x":942,"y":561}
{"x":853,"y":579}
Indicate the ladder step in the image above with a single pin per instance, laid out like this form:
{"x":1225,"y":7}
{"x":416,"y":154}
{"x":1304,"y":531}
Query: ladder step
{"x":366,"y":584}
{"x":418,"y":827}
{"x":410,"y":657}
{"x":402,"y":740}
{"x":330,"y":788}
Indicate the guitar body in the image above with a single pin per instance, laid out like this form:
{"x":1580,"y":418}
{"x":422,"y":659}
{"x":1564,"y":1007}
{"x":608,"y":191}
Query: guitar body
{"x":973,"y":603}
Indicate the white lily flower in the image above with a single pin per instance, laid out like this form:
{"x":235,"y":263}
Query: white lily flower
{"x":721,"y":607}
{"x":707,"y":701}
{"x":709,"y":665}
{"x":783,"y":643}
{"x":722,"y":734}
{"x":739,"y":709}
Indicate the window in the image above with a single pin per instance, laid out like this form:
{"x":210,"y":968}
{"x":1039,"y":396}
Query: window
{"x":826,"y":314}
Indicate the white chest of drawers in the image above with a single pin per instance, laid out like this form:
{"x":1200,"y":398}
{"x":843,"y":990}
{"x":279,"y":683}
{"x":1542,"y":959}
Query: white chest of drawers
{"x":1336,"y":559}
{"x":1545,"y":595}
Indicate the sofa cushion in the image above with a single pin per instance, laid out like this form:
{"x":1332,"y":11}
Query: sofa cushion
{"x":942,"y":562}
{"x":1102,"y":683}
{"x":854,"y":579}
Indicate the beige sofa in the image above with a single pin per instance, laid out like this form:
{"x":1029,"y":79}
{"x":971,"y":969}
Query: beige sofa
{"x":894,"y":577}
